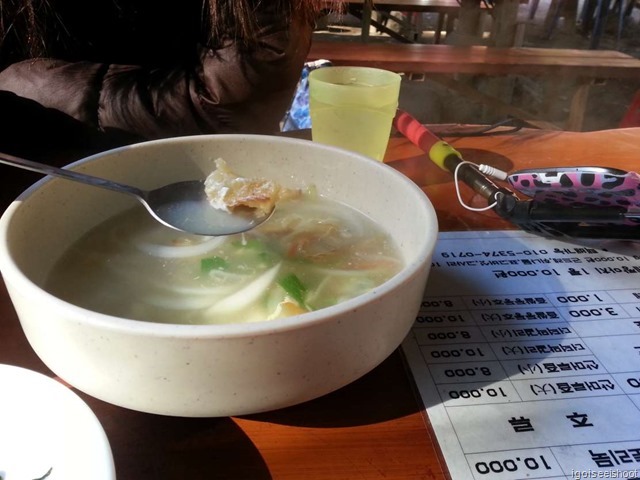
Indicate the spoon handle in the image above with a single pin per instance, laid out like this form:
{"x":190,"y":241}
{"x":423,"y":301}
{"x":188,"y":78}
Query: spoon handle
{"x":70,"y":175}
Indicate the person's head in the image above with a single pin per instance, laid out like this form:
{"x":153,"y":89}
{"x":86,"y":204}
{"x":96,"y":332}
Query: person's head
{"x":221,"y":19}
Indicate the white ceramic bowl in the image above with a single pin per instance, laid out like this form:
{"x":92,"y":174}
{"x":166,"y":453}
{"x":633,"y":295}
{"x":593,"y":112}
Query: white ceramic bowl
{"x":214,"y":370}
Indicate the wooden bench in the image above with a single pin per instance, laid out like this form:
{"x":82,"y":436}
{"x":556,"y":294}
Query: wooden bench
{"x":440,"y":62}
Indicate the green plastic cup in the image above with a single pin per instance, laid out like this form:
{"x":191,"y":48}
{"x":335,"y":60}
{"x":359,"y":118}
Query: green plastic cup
{"x":353,"y":108}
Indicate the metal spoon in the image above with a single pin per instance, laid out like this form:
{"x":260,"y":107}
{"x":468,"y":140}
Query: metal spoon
{"x":183,"y":206}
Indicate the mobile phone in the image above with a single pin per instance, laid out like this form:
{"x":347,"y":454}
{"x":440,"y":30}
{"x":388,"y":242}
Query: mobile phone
{"x":579,"y":186}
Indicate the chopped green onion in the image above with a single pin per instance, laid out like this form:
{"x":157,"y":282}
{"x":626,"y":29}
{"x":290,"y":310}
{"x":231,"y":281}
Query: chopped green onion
{"x":213,"y":263}
{"x":266,"y":258}
{"x":294,"y":287}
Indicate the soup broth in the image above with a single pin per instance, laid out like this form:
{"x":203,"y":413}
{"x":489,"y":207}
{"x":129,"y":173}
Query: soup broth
{"x":312,"y":253}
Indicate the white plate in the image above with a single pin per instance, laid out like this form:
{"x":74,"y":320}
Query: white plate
{"x":48,"y":432}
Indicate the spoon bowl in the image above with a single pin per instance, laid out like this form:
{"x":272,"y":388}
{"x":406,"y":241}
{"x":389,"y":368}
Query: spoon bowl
{"x":183,"y":206}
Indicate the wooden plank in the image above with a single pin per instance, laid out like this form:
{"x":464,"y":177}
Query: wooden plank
{"x":479,"y":60}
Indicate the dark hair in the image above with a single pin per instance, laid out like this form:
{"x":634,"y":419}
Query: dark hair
{"x":26,"y":21}
{"x":17,"y":16}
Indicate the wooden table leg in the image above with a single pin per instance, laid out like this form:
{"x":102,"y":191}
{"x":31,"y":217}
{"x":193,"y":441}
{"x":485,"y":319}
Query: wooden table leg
{"x":439,"y":26}
{"x":469,"y":21}
{"x":367,"y":12}
{"x":578,"y":105}
{"x":505,"y":15}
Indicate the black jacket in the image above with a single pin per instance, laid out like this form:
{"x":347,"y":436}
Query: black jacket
{"x":146,"y":70}
{"x":123,"y":71}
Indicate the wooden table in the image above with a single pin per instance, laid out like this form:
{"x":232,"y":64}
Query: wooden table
{"x":371,"y":429}
{"x":506,"y":31}
{"x":446,"y":10}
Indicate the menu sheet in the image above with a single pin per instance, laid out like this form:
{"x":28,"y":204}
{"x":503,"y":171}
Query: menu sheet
{"x":526,"y":354}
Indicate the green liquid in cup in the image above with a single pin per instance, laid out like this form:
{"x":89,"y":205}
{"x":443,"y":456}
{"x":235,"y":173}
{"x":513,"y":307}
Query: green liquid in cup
{"x":335,"y":126}
{"x":353,"y":108}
